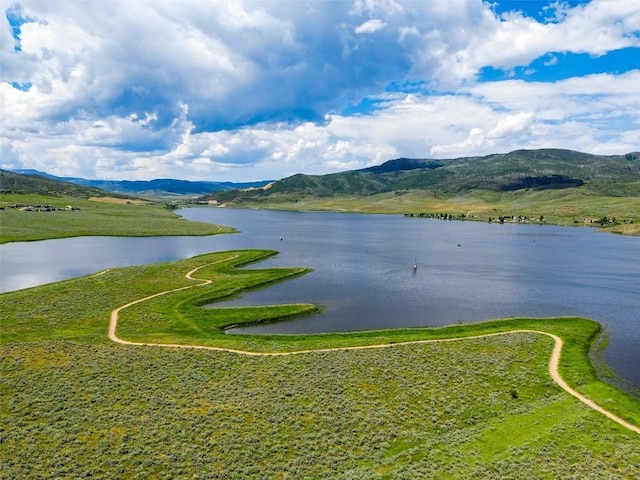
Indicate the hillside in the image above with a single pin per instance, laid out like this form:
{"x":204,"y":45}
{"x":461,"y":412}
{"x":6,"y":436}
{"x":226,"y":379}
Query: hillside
{"x":163,"y":187}
{"x":17,"y":184}
{"x":535,"y":170}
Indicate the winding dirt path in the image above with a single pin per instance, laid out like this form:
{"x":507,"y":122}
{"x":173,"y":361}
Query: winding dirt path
{"x":554,"y":361}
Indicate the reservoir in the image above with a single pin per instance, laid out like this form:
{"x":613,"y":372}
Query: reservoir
{"x":364,"y":275}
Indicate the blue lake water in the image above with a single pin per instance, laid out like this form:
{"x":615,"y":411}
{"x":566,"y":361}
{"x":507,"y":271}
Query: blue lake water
{"x":363,"y":270}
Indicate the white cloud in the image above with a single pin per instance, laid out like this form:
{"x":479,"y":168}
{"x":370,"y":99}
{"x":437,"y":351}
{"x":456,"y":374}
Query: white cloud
{"x":478,"y":38}
{"x":582,"y":97}
{"x":371,"y":26}
{"x":371,"y":7}
{"x":489,"y":118}
{"x":511,"y":124}
{"x":247,"y":90}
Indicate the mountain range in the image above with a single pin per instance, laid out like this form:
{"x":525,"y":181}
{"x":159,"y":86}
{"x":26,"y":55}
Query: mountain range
{"x":531,"y":170}
{"x":520,"y":170}
{"x":165,"y":187}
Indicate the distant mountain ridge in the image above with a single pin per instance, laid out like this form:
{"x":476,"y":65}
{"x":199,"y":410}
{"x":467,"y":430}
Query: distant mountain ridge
{"x":157,"y":187}
{"x":613,"y":175}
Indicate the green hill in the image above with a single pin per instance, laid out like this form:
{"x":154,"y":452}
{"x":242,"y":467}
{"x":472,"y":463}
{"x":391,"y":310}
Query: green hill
{"x":526,"y":186}
{"x":617,"y":175}
{"x":18,"y":184}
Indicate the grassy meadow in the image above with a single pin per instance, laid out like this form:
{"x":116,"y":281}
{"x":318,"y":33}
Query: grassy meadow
{"x":93,"y":216}
{"x":571,"y":207}
{"x":76,"y":405}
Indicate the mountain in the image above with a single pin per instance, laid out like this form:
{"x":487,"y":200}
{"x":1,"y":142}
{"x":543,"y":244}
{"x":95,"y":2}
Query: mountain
{"x":157,"y":187}
{"x":616,"y":175}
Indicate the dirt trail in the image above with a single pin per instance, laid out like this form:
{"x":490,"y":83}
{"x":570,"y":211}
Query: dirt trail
{"x":554,"y":361}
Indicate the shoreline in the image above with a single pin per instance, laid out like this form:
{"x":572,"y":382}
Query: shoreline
{"x":634,"y":228}
{"x":553,"y":367}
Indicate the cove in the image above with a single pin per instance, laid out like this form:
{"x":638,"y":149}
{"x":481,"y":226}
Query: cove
{"x":363,"y":270}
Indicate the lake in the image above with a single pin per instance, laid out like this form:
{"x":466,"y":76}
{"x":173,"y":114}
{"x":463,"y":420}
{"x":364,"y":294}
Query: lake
{"x":364,"y":277}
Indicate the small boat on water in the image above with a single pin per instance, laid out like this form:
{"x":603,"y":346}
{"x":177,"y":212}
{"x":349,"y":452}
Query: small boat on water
{"x":415,"y":265}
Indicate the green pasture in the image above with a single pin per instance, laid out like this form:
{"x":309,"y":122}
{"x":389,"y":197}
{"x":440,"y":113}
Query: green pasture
{"x":572,"y":207}
{"x":102,"y":216}
{"x":75,"y":405}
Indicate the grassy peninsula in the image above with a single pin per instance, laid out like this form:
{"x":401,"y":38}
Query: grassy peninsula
{"x":75,"y":404}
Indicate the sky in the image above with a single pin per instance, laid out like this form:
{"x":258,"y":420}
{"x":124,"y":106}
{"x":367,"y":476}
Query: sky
{"x":257,"y":90}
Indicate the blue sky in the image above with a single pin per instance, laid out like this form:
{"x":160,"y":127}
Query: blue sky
{"x":253,"y":90}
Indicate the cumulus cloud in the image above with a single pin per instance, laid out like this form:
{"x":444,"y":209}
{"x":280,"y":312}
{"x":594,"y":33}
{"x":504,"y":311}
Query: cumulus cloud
{"x":245,"y":90}
{"x":563,"y":114}
{"x":371,"y":26}
{"x":9,"y":154}
{"x":480,"y":38}
{"x":511,"y":124}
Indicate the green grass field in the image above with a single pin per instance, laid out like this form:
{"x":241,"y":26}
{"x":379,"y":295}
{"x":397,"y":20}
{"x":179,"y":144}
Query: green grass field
{"x":75,"y":405}
{"x":99,"y":216}
{"x":572,"y":207}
